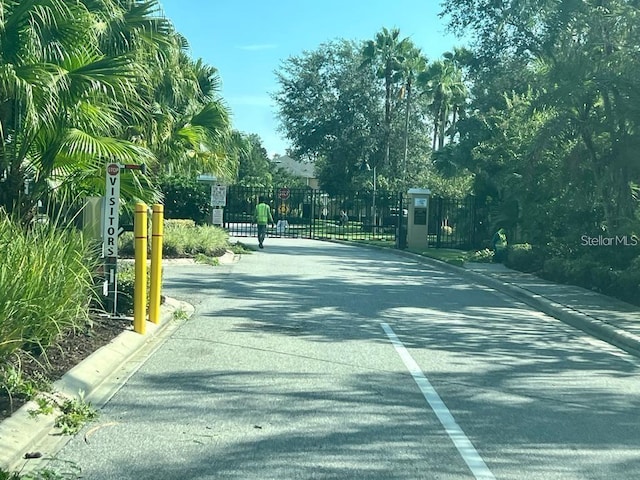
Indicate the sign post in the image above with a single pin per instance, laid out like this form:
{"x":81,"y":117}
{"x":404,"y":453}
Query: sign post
{"x":218,"y":202}
{"x":110,"y":236}
{"x":284,"y":193}
{"x":111,"y":231}
{"x":218,"y":197}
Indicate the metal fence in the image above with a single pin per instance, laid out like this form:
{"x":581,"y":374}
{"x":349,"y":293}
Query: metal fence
{"x":362,"y":215}
{"x":308,"y":213}
{"x":454,"y":223}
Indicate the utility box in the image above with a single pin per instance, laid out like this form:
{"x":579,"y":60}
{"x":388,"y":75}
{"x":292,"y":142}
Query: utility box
{"x":418,"y":217}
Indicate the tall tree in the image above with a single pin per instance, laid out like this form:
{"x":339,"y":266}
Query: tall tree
{"x":62,"y":101}
{"x":412,"y":67}
{"x":84,"y":84}
{"x":328,"y":108}
{"x":442,"y":82}
{"x":255,"y":168}
{"x":579,"y":68}
{"x":387,"y":53}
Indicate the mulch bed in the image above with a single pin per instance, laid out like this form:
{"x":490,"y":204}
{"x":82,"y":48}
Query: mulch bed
{"x":69,"y":351}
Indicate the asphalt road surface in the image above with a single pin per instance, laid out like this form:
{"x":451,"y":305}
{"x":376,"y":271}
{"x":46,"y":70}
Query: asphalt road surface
{"x":311,"y":360}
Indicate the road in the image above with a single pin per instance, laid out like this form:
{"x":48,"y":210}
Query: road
{"x":311,"y":360}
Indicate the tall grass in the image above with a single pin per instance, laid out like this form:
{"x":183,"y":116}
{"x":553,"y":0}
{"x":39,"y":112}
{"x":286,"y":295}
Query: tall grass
{"x":182,"y":238}
{"x":46,"y":285}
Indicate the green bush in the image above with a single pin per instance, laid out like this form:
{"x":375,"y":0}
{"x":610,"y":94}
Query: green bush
{"x":586,"y":272}
{"x":46,"y":285}
{"x":627,"y":285}
{"x":126,"y":284}
{"x":186,"y":198}
{"x":182,"y":239}
{"x":555,"y":269}
{"x":524,"y":257}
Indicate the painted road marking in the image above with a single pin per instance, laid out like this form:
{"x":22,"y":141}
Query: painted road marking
{"x":469,"y":454}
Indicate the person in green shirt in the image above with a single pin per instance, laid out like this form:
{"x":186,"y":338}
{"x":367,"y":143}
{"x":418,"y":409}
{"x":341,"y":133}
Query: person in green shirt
{"x":262,"y":216}
{"x":499,"y":243}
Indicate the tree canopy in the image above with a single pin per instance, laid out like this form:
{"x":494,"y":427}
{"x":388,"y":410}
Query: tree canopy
{"x":555,"y":127}
{"x":85,"y":83}
{"x":362,"y":113}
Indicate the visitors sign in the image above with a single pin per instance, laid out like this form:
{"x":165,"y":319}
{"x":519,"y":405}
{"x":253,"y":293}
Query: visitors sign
{"x":111,"y":216}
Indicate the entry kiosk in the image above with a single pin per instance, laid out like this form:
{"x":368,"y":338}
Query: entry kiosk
{"x":418,"y":217}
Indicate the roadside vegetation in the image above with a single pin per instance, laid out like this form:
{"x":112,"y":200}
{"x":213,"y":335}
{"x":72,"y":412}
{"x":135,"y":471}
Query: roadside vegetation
{"x":49,"y":288}
{"x":47,"y":285}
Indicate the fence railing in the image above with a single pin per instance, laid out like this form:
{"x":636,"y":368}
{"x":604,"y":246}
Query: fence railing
{"x":362,"y":215}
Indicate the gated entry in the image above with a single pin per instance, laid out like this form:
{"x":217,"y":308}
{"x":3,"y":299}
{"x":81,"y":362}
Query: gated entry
{"x":307,"y":213}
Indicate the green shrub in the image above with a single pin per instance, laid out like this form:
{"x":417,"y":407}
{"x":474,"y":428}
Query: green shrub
{"x":524,"y":257}
{"x":126,"y":285}
{"x":555,"y":269}
{"x":46,"y":285}
{"x":186,"y":198}
{"x":182,"y":238}
{"x":627,"y":286}
{"x":586,"y":272}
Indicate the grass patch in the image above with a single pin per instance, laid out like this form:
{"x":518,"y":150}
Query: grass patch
{"x":207,"y":260}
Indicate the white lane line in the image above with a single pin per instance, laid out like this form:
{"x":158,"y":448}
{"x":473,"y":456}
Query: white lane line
{"x":469,"y":454}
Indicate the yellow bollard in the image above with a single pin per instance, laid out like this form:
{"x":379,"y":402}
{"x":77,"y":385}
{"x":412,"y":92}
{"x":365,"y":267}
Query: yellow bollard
{"x":140,"y":287}
{"x":157,"y":220}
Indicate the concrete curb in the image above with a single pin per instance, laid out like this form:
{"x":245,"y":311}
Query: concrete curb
{"x":96,"y":379}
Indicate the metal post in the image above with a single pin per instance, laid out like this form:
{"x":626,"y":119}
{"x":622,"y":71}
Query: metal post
{"x":375,"y":211}
{"x":157,"y":220}
{"x":111,"y":284}
{"x":140,"y":287}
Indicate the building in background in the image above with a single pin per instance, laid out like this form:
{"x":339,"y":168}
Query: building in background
{"x":297,"y":169}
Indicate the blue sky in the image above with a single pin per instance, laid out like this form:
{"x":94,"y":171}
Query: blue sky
{"x":246,"y":40}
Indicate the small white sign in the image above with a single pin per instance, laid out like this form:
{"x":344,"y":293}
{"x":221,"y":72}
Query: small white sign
{"x":216,"y":216}
{"x":218,"y":196}
{"x":420,"y":202}
{"x":111,"y":212}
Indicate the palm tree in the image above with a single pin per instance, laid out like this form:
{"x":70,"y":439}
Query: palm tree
{"x":189,"y":129}
{"x":64,"y":102}
{"x":415,"y":63}
{"x":387,"y":53}
{"x":91,"y":81}
{"x":444,"y":85}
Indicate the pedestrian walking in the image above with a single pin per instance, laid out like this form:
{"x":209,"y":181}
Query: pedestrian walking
{"x":263,"y":217}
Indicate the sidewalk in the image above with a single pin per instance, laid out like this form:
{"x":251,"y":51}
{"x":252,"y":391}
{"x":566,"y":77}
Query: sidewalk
{"x":611,"y":320}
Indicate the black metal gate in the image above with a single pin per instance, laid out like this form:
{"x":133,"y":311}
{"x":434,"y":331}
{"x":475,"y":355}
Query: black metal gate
{"x":454,"y":223}
{"x":308,"y":213}
{"x":362,"y":215}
